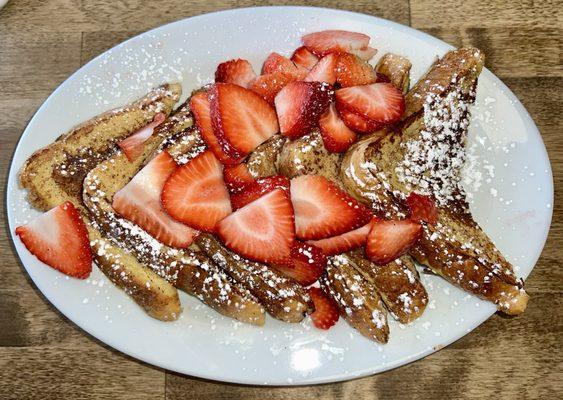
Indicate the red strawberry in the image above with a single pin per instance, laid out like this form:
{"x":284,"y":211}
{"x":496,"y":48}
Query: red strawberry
{"x":134,"y":145}
{"x":263,"y":230}
{"x":337,"y":137}
{"x":343,"y":243}
{"x":323,"y":210}
{"x":59,"y":238}
{"x":422,"y":208}
{"x":324,"y":42}
{"x":390,"y":239}
{"x":379,"y":102}
{"x":139,"y":202}
{"x":351,"y":70}
{"x":257,"y":189}
{"x":237,"y":71}
{"x":268,"y":86}
{"x":304,"y":58}
{"x":278,"y":63}
{"x":356,"y":122}
{"x":365,"y":54}
{"x":326,"y":309}
{"x":299,"y":106}
{"x":324,"y":70}
{"x":241,"y":119}
{"x":200,"y":107}
{"x":195,"y":193}
{"x":237,"y":177}
{"x":305,"y":264}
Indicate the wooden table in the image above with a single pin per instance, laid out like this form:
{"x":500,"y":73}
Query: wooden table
{"x":43,"y":355}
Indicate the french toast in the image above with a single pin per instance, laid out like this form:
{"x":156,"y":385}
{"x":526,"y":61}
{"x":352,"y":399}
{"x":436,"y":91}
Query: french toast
{"x":396,"y":69}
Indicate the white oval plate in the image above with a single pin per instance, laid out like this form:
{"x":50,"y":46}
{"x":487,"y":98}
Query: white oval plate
{"x":512,"y":192}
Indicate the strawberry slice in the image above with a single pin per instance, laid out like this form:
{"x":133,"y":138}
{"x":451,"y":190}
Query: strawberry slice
{"x":324,"y":70}
{"x":238,"y":71}
{"x":299,"y":106}
{"x":351,"y":70}
{"x":379,"y":102}
{"x":237,"y":178}
{"x":305,"y":264}
{"x":304,"y":58}
{"x":422,"y":208}
{"x":326,"y":309}
{"x":263,"y":230}
{"x":200,"y":107}
{"x":260,"y":187}
{"x":335,"y":41}
{"x":323,"y":210}
{"x":195,"y":193}
{"x":133,"y":145}
{"x":278,"y":63}
{"x":59,"y":238}
{"x":269,"y":85}
{"x":345,"y":242}
{"x":241,"y":119}
{"x":139,"y":202}
{"x":356,"y":122}
{"x":365,"y":54}
{"x":337,"y":137}
{"x":390,"y":239}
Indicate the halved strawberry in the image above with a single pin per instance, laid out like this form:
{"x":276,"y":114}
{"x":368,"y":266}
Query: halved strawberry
{"x":365,"y":54}
{"x":379,"y":102}
{"x":59,"y":238}
{"x":263,"y":230}
{"x":139,"y":202}
{"x":238,"y":71}
{"x":324,"y":70}
{"x":356,"y":122}
{"x":133,"y":145}
{"x":337,"y":137}
{"x":304,"y":58}
{"x":305,"y":264}
{"x":351,"y":70}
{"x":200,"y":107}
{"x":260,"y":187}
{"x":326,"y":309}
{"x":237,"y":178}
{"x":323,"y":210}
{"x":324,"y":42}
{"x":269,"y":85}
{"x":390,"y":239}
{"x":299,"y":106}
{"x":195,"y":193}
{"x":241,"y":119}
{"x":278,"y":63}
{"x":422,"y":208}
{"x":342,"y":243}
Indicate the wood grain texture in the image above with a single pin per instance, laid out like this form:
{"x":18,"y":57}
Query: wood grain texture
{"x":44,"y":355}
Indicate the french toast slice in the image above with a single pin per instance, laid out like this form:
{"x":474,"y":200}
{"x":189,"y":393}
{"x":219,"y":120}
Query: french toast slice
{"x":396,"y":69}
{"x":263,"y":160}
{"x":54,"y":174}
{"x":424,"y":153}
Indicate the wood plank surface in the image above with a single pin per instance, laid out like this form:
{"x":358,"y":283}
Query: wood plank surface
{"x":43,"y":355}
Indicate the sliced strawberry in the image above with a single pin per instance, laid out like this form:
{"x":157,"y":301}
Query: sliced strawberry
{"x":324,"y":42}
{"x":351,"y":70}
{"x":304,"y":58}
{"x":323,"y":210}
{"x":299,"y":106}
{"x":356,"y":122}
{"x":365,"y":54}
{"x":422,"y":208}
{"x":195,"y":193}
{"x":237,"y":71}
{"x":269,"y":85}
{"x":241,"y":119}
{"x":133,"y":145}
{"x":263,"y":230}
{"x":260,"y":187}
{"x":200,"y":107}
{"x":139,"y":202}
{"x":337,"y":137}
{"x":326,"y":309}
{"x":379,"y":102}
{"x":345,"y":242}
{"x":390,"y":239}
{"x":305,"y":264}
{"x":237,"y":178}
{"x":59,"y":238}
{"x":324,"y":70}
{"x":278,"y":63}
